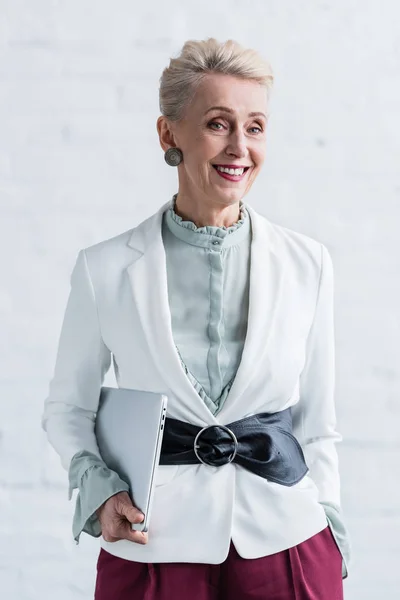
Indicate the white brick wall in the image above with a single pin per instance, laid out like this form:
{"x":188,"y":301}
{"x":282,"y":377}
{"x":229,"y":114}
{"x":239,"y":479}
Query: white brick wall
{"x":78,"y":153}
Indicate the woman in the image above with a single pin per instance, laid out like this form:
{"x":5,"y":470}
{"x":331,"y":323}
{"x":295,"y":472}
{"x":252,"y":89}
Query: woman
{"x":231,"y":316}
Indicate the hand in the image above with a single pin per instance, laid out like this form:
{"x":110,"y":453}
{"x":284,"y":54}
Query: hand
{"x":116,"y":516}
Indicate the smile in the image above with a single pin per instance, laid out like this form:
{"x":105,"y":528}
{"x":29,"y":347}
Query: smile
{"x":233,"y":174}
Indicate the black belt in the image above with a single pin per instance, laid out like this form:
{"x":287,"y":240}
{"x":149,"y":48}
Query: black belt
{"x":262,"y":443}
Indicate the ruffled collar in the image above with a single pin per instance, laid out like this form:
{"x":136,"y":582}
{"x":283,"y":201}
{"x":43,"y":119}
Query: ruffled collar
{"x":208,"y":235}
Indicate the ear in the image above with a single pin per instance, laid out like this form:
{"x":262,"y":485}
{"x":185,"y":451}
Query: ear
{"x":165,"y":133}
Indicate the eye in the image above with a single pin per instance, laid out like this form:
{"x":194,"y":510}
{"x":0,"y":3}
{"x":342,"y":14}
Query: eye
{"x":259,"y":129}
{"x":216,"y":123}
{"x":219,"y":127}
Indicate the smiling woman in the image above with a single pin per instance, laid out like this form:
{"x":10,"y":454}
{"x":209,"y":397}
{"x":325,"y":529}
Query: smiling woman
{"x":214,"y":100}
{"x":231,"y":316}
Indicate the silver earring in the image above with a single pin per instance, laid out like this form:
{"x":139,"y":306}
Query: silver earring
{"x":173,"y":156}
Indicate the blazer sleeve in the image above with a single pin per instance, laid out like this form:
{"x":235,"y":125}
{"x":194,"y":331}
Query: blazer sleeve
{"x":70,"y":408}
{"x":314,"y":417}
{"x":82,"y":361}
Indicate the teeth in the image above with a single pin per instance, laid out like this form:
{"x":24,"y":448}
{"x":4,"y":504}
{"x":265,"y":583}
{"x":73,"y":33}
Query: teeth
{"x":231,"y":171}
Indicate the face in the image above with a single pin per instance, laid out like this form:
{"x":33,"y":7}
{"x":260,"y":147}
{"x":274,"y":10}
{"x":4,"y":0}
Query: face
{"x":233,"y":135}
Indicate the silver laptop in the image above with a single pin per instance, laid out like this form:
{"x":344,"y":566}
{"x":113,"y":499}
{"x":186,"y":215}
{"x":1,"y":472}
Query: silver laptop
{"x":129,"y":429}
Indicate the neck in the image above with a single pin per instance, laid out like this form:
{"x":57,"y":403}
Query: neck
{"x":207,"y":213}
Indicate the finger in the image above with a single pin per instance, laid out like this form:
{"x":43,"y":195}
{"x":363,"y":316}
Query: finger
{"x":128,"y":533}
{"x":130,"y":512}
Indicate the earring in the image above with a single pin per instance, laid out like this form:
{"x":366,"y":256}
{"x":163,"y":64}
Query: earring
{"x":173,"y":156}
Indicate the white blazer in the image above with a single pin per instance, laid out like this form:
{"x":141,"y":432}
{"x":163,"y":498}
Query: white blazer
{"x":118,"y":307}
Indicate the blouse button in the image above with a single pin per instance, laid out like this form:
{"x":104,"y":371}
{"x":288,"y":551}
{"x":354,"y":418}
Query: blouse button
{"x":215,"y":243}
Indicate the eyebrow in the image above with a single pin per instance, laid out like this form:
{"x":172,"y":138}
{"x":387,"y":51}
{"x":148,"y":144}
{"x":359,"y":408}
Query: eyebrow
{"x":229,"y":110}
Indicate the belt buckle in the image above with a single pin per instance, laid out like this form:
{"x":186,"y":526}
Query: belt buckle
{"x":196,"y":446}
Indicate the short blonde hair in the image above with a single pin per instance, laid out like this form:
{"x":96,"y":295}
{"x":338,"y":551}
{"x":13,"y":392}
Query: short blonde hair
{"x":180,"y":79}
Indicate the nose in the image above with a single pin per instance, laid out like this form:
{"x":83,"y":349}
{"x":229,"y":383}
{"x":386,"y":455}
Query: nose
{"x":237,"y":145}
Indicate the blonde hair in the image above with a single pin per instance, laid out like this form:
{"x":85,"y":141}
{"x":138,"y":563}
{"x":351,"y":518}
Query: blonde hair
{"x":180,"y":79}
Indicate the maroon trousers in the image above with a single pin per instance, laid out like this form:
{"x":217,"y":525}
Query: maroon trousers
{"x":311,"y":570}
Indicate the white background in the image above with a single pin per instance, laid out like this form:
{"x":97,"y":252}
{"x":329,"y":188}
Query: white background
{"x":80,"y":162}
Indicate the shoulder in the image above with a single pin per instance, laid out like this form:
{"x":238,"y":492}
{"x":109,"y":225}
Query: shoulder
{"x":120,"y":247}
{"x":297,"y":248}
{"x":109,"y":258}
{"x":307,"y":260}
{"x":109,"y":254}
{"x":301,"y":246}
{"x":109,"y":246}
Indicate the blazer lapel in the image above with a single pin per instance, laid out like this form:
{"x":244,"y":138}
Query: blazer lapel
{"x":267,"y":272}
{"x":148,"y":279}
